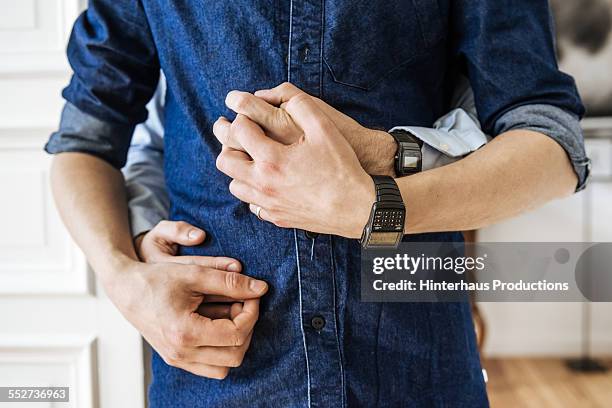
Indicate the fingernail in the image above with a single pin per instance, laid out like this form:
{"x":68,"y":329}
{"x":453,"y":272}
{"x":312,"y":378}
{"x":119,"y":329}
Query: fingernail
{"x":233,"y":267}
{"x":257,"y":285}
{"x":194,"y":234}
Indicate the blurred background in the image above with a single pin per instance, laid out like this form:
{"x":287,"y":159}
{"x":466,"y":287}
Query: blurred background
{"x":58,"y":328}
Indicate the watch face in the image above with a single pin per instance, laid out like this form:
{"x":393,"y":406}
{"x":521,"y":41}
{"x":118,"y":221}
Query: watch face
{"x":383,"y":239}
{"x":411,"y":160}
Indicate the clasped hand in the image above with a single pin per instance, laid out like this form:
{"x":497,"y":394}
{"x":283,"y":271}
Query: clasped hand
{"x":296,"y":158}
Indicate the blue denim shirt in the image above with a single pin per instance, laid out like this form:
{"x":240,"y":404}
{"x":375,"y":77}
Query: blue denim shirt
{"x":385,"y":63}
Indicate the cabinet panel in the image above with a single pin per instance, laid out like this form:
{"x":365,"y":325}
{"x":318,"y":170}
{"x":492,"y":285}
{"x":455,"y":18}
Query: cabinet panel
{"x":36,"y":254}
{"x":50,"y":362}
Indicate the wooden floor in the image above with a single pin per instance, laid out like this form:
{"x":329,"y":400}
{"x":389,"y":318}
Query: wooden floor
{"x":543,"y":383}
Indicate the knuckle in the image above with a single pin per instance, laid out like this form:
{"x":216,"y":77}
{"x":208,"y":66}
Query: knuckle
{"x":181,"y":225}
{"x":162,"y":224}
{"x":219,"y":373}
{"x":267,"y":179}
{"x":237,"y":339}
{"x":236,"y":128}
{"x":175,"y":227}
{"x":268,"y":169}
{"x":178,"y":338}
{"x":242,"y":101}
{"x":286,"y":86}
{"x":234,"y":281}
{"x":233,"y":187}
{"x":267,"y":188}
{"x":175,"y":355}
{"x":235,"y":360}
{"x":298,"y":99}
{"x":220,"y":162}
{"x":168,"y":358}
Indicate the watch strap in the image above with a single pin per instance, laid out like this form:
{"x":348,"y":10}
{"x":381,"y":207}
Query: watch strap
{"x":404,"y":136}
{"x":408,"y":147}
{"x":387,"y":189}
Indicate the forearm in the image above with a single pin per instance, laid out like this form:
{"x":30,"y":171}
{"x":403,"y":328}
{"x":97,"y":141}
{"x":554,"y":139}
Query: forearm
{"x":90,"y":196}
{"x":517,"y":171}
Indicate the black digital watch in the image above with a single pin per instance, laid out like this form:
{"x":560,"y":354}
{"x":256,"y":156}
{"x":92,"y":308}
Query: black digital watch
{"x":385,"y":227}
{"x":408,"y":158}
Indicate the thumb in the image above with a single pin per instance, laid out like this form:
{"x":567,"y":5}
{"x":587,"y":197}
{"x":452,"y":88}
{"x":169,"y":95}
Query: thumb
{"x":311,"y":119}
{"x":280,"y":94}
{"x":178,"y":232}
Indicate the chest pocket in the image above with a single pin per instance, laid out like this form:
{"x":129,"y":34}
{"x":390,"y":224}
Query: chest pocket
{"x":366,"y":40}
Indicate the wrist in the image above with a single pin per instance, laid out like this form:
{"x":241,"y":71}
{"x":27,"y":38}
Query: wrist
{"x":364,"y":199}
{"x":114,"y":268}
{"x":379,"y":153}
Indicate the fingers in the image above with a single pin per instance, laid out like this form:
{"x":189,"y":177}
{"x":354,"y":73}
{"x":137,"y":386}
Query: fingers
{"x":305,"y":112}
{"x":246,"y":193}
{"x":235,"y":310}
{"x":248,"y":135}
{"x":178,"y":232}
{"x":215,"y":262}
{"x":230,"y":284}
{"x":279,"y":94}
{"x":203,"y":370}
{"x":222,"y":130}
{"x":276,"y":122}
{"x":220,"y":299}
{"x":235,"y":163}
{"x":215,"y":310}
{"x":220,"y":356}
{"x":213,"y":362}
{"x":202,"y":331}
{"x":247,"y":315}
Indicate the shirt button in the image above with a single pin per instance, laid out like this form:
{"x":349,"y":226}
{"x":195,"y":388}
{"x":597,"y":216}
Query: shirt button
{"x":317,"y":322}
{"x":311,"y":235}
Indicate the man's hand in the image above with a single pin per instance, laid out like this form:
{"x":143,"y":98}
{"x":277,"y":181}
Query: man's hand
{"x":375,"y":149}
{"x":316,"y":183}
{"x":177,"y":308}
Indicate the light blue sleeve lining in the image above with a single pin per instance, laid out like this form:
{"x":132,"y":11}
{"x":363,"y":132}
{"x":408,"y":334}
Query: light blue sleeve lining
{"x":144,"y":171}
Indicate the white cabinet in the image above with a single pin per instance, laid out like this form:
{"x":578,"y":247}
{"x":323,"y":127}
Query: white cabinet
{"x":555,"y":328}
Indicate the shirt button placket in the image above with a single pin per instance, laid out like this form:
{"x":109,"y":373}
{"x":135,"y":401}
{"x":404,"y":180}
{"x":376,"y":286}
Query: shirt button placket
{"x":316,"y":272}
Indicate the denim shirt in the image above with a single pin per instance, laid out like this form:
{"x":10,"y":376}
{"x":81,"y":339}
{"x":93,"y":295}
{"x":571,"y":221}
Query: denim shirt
{"x":385,"y":63}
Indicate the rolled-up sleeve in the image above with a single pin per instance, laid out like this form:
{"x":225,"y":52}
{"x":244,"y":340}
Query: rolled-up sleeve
{"x":558,"y":124}
{"x":116,"y":71}
{"x":506,"y":47}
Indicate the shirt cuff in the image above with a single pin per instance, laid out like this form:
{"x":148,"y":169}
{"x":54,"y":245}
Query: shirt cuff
{"x":453,"y":136}
{"x":558,"y":124}
{"x":83,"y":133}
{"x":143,"y":219}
